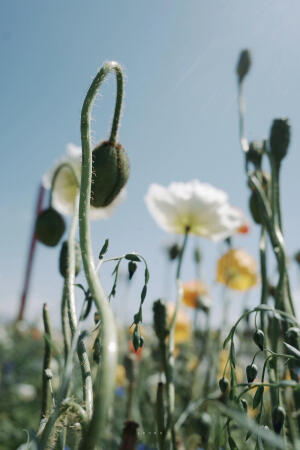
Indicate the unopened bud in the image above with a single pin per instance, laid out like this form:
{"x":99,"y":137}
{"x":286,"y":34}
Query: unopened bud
{"x":49,"y":227}
{"x":280,"y":138}
{"x":278,"y":416}
{"x":251,"y":372}
{"x":63,"y":258}
{"x":258,"y":338}
{"x":255,"y":153}
{"x":243,"y":65}
{"x":160,"y":319}
{"x":223,"y":384}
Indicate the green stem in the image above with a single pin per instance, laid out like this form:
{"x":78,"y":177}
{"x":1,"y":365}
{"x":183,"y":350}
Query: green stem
{"x":46,"y":364}
{"x":64,"y":323}
{"x":243,"y":139}
{"x":104,"y":386}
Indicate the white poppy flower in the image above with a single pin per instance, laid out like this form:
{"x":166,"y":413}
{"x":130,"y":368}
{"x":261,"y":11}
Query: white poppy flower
{"x":65,"y":187}
{"x":200,"y":207}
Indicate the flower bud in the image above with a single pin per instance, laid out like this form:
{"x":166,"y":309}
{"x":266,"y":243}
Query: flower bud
{"x":49,"y":227}
{"x":280,"y":138}
{"x":244,"y":405}
{"x":63,"y":258}
{"x":251,"y":372}
{"x":255,"y":153}
{"x":243,"y":65}
{"x":254,"y":207}
{"x":204,"y":426}
{"x":258,"y":338}
{"x":278,"y":416}
{"x":132,"y":266}
{"x":173,"y":251}
{"x":223,"y":384}
{"x":160,"y":319}
{"x":110,"y":173}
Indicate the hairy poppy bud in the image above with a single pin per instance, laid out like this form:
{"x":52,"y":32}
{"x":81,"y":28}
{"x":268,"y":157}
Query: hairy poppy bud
{"x":223,"y":384}
{"x":110,"y":173}
{"x":280,"y":138}
{"x":278,"y":416}
{"x":49,"y":227}
{"x":251,"y":372}
{"x":160,"y":319}
{"x":63,"y":258}
{"x":244,"y":64}
{"x":258,"y":338}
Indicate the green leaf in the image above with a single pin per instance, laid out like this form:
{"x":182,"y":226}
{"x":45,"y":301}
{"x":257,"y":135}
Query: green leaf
{"x":104,"y":249}
{"x":258,"y":396}
{"x":146,"y":275}
{"x":232,"y":354}
{"x":144,"y":293}
{"x":227,"y":339}
{"x":132,"y":257}
{"x":232,"y":443}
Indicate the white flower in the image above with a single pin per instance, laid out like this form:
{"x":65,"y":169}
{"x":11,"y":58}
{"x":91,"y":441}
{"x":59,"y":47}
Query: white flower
{"x":198,"y":206}
{"x":65,"y":187}
{"x":25,"y":392}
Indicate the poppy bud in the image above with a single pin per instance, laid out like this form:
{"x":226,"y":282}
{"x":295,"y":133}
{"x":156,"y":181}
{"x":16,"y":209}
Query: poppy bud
{"x":204,"y":426}
{"x":173,"y":251}
{"x":223,"y":384}
{"x":280,"y":138}
{"x":63,"y":258}
{"x":244,"y":64}
{"x":49,"y":227}
{"x":258,"y":338}
{"x":255,"y":208}
{"x":132,"y":266}
{"x":251,"y":372}
{"x":160,"y":319}
{"x":255,"y":153}
{"x":110,"y":173}
{"x":278,"y":416}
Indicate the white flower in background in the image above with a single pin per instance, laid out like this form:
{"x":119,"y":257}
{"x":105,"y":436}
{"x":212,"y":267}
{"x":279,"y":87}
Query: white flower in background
{"x":65,"y":187}
{"x":26,"y":392}
{"x":200,"y":207}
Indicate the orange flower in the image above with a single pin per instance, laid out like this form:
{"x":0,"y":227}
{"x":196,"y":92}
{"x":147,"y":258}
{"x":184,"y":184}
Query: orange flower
{"x":182,"y":332}
{"x":237,"y":270}
{"x":195,"y":294}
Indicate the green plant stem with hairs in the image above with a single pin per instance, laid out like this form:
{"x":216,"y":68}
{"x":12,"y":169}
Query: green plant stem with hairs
{"x":104,"y":385}
{"x":46,"y":364}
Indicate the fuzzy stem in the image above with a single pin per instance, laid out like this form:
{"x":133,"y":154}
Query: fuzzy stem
{"x":65,"y":165}
{"x":104,"y":386}
{"x":64,"y":323}
{"x":46,"y":364}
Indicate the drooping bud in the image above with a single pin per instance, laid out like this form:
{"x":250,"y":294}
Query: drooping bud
{"x":173,"y":251}
{"x":254,"y":207}
{"x":258,"y":338}
{"x":251,"y":372}
{"x":243,"y":65}
{"x":278,"y":416}
{"x":204,"y":426}
{"x":160,"y":319}
{"x":63,"y":258}
{"x":132,"y":266}
{"x":280,"y":138}
{"x":49,"y":227}
{"x":223,"y":384}
{"x":110,"y":173}
{"x":255,"y":153}
{"x":244,"y":405}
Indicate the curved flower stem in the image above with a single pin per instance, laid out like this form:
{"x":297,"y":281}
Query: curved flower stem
{"x":46,"y":364}
{"x":118,"y":105}
{"x":104,"y":386}
{"x":70,"y":300}
{"x":64,"y":322}
{"x":171,"y":346}
{"x":64,"y":165}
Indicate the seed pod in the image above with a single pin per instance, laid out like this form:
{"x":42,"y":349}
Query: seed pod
{"x":255,"y":208}
{"x":223,"y":384}
{"x":280,"y":138}
{"x":243,"y":65}
{"x":132,"y":266}
{"x":258,"y":338}
{"x":49,"y":227}
{"x":255,"y":153}
{"x":204,"y":426}
{"x":160,"y":320}
{"x":278,"y":416}
{"x":244,"y":405}
{"x":63,"y":258}
{"x":251,"y":372}
{"x":110,"y":173}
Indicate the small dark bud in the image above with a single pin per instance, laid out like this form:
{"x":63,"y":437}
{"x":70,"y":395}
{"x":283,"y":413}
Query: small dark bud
{"x":278,"y":416}
{"x":173,"y":251}
{"x":223,"y":384}
{"x":255,"y":153}
{"x":129,"y":435}
{"x":258,"y":338}
{"x":280,"y":139}
{"x":110,"y":173}
{"x":292,"y":334}
{"x":136,"y":338}
{"x":160,"y":319}
{"x":254,"y":207}
{"x":243,"y":65}
{"x":244,"y":405}
{"x":251,"y":372}
{"x":63,"y":258}
{"x":49,"y":227}
{"x":132,"y":266}
{"x":204,"y":426}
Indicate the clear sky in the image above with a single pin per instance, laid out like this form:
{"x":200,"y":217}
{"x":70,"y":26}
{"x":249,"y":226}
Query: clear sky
{"x":179,"y":120}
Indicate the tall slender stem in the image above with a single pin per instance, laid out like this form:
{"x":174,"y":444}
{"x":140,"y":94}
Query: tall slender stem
{"x":104,"y":386}
{"x":46,"y":364}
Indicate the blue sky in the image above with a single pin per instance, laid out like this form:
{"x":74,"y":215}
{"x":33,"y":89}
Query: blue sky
{"x":179,"y":119}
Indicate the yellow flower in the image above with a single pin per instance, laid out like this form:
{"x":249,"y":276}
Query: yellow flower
{"x":237,"y":270}
{"x":120,"y":375}
{"x":195,"y":295}
{"x":182,"y":332}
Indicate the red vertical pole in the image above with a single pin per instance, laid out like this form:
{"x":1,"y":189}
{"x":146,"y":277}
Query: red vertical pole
{"x":30,"y":257}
